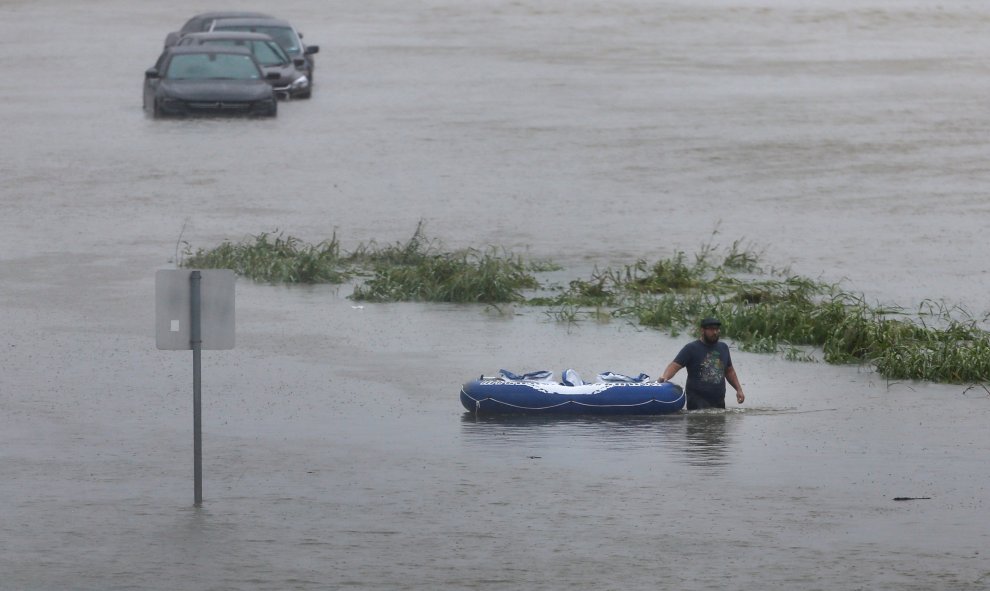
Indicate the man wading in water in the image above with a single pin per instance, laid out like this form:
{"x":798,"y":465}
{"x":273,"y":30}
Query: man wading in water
{"x":709,"y":366}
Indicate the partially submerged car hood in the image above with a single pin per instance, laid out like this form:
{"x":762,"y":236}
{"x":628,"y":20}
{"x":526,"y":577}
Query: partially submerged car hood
{"x":216,"y":90}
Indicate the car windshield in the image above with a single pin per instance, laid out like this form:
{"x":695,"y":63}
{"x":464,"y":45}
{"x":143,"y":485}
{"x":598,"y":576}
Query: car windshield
{"x":285,"y":36}
{"x":205,"y":66}
{"x":268,"y":53}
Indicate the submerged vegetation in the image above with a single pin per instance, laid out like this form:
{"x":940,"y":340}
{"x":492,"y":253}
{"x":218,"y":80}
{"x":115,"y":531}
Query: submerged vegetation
{"x":762,"y":310}
{"x":416,"y":270}
{"x":421,"y":271}
{"x":275,"y":259}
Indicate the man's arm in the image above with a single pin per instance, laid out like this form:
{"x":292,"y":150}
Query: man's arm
{"x":730,"y":375}
{"x":668,"y":373}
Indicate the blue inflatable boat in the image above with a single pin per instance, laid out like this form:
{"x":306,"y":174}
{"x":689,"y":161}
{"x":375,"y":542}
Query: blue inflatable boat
{"x":536,"y":393}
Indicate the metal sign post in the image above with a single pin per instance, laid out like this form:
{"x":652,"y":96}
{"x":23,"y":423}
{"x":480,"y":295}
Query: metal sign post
{"x":196,"y":341}
{"x":206,"y":299}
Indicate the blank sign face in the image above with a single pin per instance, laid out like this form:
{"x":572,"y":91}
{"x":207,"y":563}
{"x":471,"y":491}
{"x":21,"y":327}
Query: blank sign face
{"x":173,"y":307}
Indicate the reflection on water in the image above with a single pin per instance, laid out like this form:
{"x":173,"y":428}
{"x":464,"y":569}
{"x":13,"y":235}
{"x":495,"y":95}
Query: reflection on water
{"x":512,"y":429}
{"x":697,"y":438}
{"x":705,"y":437}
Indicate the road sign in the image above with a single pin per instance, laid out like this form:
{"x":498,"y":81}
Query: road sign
{"x":195,"y":310}
{"x":173,"y":309}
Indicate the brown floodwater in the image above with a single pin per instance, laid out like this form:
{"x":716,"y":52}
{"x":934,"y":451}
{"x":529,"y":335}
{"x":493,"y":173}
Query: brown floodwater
{"x":844,"y":140}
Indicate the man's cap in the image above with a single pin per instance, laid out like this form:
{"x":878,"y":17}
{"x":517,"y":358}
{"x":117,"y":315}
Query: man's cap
{"x":710,"y":321}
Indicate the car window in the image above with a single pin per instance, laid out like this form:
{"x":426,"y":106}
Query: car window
{"x":278,"y":54}
{"x":285,"y":36}
{"x":268,"y":53}
{"x":206,"y":66}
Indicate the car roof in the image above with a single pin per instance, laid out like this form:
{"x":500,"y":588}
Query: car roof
{"x":209,"y":16}
{"x":209,"y":49}
{"x":230,"y":14}
{"x":245,"y":35}
{"x":204,"y":20}
{"x":247,"y":22}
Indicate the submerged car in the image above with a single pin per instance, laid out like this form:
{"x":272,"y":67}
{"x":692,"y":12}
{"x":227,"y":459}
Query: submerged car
{"x":281,"y":31}
{"x":200,"y":80}
{"x":292,"y":80}
{"x":203,"y":22}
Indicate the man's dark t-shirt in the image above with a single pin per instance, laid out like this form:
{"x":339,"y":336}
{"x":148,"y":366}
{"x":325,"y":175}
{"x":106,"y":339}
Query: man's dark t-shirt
{"x":706,"y":365}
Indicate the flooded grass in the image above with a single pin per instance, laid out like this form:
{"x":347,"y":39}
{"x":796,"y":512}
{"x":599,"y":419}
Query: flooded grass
{"x":421,"y":270}
{"x":416,"y":270}
{"x":274,"y":258}
{"x":463,"y":276}
{"x":762,"y":310}
{"x":801,"y":319}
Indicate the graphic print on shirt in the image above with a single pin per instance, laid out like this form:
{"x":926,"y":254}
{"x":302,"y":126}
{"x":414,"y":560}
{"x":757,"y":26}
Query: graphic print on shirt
{"x":711,"y":369}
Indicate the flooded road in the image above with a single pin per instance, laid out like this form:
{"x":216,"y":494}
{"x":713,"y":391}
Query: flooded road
{"x":845,"y":140}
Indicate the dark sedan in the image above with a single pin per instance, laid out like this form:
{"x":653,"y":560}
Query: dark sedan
{"x":280,"y":30}
{"x":203,"y":22}
{"x":292,"y":80}
{"x":198,"y":80}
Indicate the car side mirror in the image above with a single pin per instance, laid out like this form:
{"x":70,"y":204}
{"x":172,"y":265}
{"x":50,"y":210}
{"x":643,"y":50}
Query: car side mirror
{"x":311,"y":49}
{"x":151,"y":73}
{"x":272,"y":76}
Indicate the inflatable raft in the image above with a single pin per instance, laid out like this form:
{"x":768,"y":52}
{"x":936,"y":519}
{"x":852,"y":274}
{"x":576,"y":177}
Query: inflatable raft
{"x":536,"y":393}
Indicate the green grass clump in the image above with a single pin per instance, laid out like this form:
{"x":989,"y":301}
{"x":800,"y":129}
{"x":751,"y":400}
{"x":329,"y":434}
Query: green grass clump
{"x":671,"y":312}
{"x":421,"y":270}
{"x":781,"y":315}
{"x":664,"y":276}
{"x":275,"y":259}
{"x":580,"y":293}
{"x":463,"y":276}
{"x":412,"y":252}
{"x":416,"y":270}
{"x":942,"y":344}
{"x":795,"y":316}
{"x":937,"y":359}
